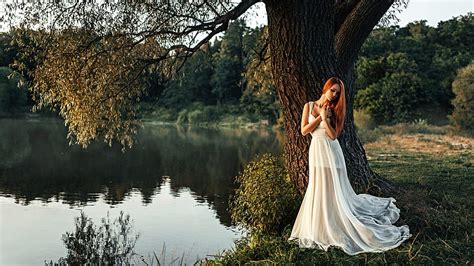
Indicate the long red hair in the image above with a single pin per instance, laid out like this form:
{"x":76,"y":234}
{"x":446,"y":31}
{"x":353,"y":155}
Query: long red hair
{"x":338,"y":106}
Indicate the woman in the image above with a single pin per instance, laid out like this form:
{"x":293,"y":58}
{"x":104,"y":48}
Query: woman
{"x":331,"y":213}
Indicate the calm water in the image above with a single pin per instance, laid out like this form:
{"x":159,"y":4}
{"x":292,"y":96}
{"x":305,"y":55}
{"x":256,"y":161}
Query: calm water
{"x":175,"y":184}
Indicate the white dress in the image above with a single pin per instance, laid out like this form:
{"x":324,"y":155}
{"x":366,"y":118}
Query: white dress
{"x":332,"y":214}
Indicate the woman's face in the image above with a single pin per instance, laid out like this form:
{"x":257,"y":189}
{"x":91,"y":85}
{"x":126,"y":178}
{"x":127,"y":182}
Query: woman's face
{"x":333,"y":92}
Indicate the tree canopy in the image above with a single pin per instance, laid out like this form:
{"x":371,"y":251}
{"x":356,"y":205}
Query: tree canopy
{"x":405,"y":73}
{"x":90,"y":58}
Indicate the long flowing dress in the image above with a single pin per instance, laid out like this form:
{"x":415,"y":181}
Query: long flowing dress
{"x":332,"y":214}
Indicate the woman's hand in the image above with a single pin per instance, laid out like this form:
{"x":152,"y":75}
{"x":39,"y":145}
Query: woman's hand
{"x":324,"y":112}
{"x":306,"y":126}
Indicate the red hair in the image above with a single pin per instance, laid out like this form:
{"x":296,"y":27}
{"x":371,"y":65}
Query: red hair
{"x":338,"y":106}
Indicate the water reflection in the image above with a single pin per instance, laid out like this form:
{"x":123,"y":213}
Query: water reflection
{"x":175,"y":183}
{"x":36,"y":162}
{"x":32,"y":233}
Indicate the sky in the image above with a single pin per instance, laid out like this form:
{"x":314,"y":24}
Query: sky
{"x":433,"y":11}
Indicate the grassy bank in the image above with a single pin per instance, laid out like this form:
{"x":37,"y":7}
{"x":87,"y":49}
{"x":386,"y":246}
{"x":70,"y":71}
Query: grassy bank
{"x":204,"y":115}
{"x":434,"y":173}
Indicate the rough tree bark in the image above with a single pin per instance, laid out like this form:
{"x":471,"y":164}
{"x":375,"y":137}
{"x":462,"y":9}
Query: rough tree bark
{"x":309,"y":43}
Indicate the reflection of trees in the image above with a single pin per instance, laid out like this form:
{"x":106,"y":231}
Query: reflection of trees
{"x":17,"y":147}
{"x":204,"y":160}
{"x":54,"y":169}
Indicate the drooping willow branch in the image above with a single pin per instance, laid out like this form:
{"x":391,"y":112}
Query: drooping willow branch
{"x":91,"y":58}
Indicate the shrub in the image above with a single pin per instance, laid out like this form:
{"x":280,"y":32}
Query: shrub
{"x":151,"y":111}
{"x":365,"y":126}
{"x":363,"y":120}
{"x":182,"y":117}
{"x":369,"y":135}
{"x":212,"y":112}
{"x":419,"y":126}
{"x":394,"y":98}
{"x":463,"y":87}
{"x":266,"y":199}
{"x":107,"y":244}
{"x":196,"y":117}
{"x":164,"y":114}
{"x":204,"y":114}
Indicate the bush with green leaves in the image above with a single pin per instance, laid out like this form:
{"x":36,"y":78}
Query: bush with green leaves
{"x":204,"y":114}
{"x":463,"y":87}
{"x":363,"y":120}
{"x":394,"y":98}
{"x":182,"y":117}
{"x":266,"y":200}
{"x":366,"y":128}
{"x":196,"y":117}
{"x":109,"y":244}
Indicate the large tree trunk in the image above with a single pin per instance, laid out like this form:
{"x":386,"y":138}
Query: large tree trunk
{"x":303,"y":54}
{"x":362,"y":177}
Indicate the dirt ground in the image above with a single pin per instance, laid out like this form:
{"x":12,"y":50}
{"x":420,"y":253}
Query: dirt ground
{"x":426,"y":143}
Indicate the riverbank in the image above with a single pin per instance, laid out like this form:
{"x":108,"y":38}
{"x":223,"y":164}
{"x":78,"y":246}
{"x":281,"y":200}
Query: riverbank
{"x":198,"y":114}
{"x":230,"y":116}
{"x":434,"y":173}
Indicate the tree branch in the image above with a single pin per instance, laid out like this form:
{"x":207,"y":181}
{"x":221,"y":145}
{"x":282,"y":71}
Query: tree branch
{"x":356,"y":28}
{"x":219,"y":24}
{"x":95,"y":54}
{"x":342,"y":8}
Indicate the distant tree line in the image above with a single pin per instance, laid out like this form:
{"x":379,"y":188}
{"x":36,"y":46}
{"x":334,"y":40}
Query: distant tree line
{"x":233,"y":70}
{"x":403,"y":73}
{"x":407,"y":73}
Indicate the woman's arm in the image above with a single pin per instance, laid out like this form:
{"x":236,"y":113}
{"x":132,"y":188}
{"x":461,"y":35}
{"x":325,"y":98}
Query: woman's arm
{"x":305,"y":126}
{"x":329,"y":129}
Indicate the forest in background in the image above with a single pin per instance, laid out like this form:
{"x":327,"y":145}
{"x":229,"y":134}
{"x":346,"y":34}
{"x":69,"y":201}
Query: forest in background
{"x":402,"y":74}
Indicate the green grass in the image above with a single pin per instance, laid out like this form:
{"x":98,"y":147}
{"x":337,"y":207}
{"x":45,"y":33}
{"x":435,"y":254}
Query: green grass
{"x":435,"y":201}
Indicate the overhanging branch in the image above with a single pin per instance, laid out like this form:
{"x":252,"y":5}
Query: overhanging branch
{"x":356,"y":28}
{"x":342,"y":8}
{"x":219,"y":24}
